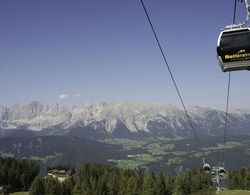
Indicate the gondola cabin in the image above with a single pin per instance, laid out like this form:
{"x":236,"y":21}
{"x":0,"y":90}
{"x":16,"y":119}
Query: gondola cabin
{"x":233,"y":49}
{"x":222,"y":170}
{"x":206,"y":168}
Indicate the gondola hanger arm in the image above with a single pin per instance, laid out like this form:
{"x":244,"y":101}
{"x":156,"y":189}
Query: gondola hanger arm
{"x":247,"y":6}
{"x":248,"y":11}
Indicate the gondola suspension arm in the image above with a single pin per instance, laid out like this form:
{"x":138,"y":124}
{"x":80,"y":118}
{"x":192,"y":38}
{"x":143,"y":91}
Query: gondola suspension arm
{"x":248,"y":11}
{"x":247,"y":6}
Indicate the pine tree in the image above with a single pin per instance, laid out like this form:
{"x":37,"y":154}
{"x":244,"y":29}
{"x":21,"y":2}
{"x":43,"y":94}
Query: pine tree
{"x":77,"y":187}
{"x":37,"y":186}
{"x":66,"y":188}
{"x":247,"y":181}
{"x":148,"y":183}
{"x":160,"y":188}
{"x":113,"y":184}
{"x":52,"y":186}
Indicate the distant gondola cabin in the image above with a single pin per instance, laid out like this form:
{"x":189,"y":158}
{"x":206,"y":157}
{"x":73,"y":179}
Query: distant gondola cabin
{"x":206,"y":168}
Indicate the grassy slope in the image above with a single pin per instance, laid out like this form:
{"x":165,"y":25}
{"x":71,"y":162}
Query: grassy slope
{"x":20,"y":193}
{"x":234,"y":192}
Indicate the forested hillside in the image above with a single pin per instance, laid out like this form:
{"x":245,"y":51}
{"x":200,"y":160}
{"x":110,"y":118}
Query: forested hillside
{"x":239,"y":180}
{"x":21,"y":175}
{"x":17,"y":175}
{"x":102,"y":179}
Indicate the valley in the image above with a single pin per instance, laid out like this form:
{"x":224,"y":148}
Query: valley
{"x":175,"y":156}
{"x":158,"y":154}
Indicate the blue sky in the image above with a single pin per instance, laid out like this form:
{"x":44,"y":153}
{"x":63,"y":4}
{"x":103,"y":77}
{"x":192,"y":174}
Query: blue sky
{"x":84,"y":50}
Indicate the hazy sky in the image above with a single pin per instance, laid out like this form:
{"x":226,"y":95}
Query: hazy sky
{"x":70,"y":51}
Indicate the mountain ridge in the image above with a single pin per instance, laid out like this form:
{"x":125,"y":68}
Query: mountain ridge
{"x":152,"y":118}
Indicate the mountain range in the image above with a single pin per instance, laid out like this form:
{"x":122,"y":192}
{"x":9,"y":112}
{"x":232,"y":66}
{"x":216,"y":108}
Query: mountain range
{"x":144,"y":135}
{"x":121,"y":118}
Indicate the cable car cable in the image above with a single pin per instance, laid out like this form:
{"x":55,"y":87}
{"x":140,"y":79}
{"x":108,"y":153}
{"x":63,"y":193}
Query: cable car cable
{"x":172,"y":77}
{"x":226,"y":117}
{"x":228,"y":95}
{"x":234,"y":15}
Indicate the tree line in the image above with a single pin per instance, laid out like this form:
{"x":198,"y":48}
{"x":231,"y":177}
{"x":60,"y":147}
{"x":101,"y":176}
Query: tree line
{"x":239,"y":180}
{"x":97,"y":179}
{"x":51,"y":186}
{"x":17,"y":175}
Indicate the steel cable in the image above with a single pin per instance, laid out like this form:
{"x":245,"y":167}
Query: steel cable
{"x":172,"y":77}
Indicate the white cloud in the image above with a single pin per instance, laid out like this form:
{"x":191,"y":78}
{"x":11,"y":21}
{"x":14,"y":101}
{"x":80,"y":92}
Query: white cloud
{"x":63,"y":96}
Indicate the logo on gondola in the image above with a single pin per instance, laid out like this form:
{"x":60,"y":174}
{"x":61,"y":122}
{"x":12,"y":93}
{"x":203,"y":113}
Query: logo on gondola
{"x":240,"y":54}
{"x":241,"y":51}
